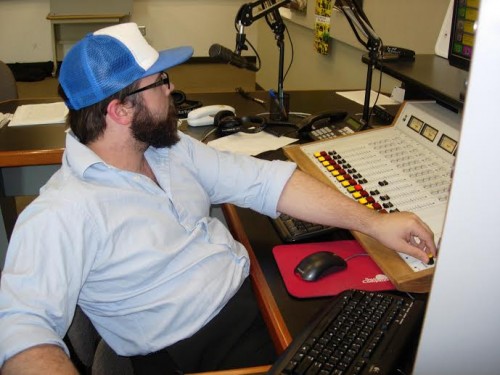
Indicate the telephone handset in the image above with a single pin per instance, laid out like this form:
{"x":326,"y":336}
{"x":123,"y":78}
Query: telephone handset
{"x":324,"y":122}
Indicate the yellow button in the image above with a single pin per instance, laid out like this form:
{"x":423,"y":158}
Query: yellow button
{"x":325,"y":163}
{"x":340,"y":178}
{"x":370,"y":206}
{"x":317,"y":154}
{"x":356,"y":195}
{"x":330,"y":168}
{"x":351,"y":189}
{"x":363,"y":201}
{"x":321,"y":158}
{"x":345,"y":183}
{"x":335,"y":173}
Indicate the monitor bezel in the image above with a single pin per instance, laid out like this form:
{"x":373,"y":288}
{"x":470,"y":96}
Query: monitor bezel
{"x":454,"y":59}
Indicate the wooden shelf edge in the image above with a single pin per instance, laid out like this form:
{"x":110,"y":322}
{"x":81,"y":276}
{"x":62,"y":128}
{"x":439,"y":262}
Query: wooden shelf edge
{"x":25,"y":158}
{"x":239,"y":371}
{"x":60,"y":17}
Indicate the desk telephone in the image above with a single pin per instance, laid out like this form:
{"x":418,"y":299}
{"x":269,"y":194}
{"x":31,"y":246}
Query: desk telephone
{"x":327,"y":124}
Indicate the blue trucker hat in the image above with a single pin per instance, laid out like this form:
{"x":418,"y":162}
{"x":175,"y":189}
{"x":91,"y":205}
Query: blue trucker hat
{"x":110,"y":59}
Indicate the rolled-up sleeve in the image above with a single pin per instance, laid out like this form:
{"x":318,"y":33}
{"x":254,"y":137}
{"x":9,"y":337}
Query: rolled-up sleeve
{"x":239,"y":179}
{"x":42,"y":276}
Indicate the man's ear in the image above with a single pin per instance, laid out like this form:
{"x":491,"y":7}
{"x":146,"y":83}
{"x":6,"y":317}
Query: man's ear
{"x":119,"y":112}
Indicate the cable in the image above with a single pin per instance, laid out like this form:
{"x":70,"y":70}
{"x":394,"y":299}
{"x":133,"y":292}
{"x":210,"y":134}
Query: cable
{"x":259,"y":63}
{"x":292,"y":52}
{"x":208,"y":134}
{"x":355,"y":256}
{"x":379,"y":83}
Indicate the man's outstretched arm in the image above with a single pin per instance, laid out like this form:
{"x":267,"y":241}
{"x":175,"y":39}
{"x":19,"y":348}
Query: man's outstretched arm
{"x":306,"y":198}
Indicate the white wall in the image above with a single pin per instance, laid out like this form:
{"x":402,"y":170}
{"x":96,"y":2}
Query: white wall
{"x":25,"y":36}
{"x":197,"y":23}
{"x":340,"y":69}
{"x":25,"y":31}
{"x":404,"y":23}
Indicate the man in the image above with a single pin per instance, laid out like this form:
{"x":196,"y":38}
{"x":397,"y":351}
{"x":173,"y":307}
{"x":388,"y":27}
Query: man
{"x":123,"y":228}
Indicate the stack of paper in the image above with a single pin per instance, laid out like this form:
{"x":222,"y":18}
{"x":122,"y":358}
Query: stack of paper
{"x":39,"y":114}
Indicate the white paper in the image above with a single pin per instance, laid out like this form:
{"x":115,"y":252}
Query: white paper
{"x":359,"y":97}
{"x":39,"y":114}
{"x":250,"y":144}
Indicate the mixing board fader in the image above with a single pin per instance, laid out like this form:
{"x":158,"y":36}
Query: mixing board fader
{"x":406,"y":167}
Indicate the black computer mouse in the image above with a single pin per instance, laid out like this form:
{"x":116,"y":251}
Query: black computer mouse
{"x":318,"y":265}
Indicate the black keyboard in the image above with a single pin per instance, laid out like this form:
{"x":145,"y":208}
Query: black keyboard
{"x":292,"y":230}
{"x":357,"y":333}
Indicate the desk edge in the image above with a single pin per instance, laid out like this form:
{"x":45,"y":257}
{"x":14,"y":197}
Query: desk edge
{"x":276,"y":325}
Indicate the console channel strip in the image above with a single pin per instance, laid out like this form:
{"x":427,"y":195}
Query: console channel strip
{"x":407,"y":167}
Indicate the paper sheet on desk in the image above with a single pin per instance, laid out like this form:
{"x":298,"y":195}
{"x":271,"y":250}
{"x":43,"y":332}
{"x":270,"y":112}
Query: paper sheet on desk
{"x":250,"y":144}
{"x":39,"y":114}
{"x":359,"y":97}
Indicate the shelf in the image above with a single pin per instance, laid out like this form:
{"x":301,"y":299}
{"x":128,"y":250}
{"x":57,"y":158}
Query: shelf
{"x":429,"y":77}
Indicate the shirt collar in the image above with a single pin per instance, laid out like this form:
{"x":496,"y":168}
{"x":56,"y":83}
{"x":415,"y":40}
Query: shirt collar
{"x":78,"y":156}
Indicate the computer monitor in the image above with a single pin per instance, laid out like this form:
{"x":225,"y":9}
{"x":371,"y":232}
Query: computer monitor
{"x":462,"y":33}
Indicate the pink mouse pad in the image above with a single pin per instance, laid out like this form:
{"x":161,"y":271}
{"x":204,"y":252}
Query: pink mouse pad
{"x":361,"y":272}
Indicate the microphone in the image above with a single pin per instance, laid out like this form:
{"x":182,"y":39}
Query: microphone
{"x":240,"y":39}
{"x":225,"y":54}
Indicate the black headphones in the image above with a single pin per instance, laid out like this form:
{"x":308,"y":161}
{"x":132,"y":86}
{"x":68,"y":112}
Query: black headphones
{"x":182,"y":104}
{"x":228,"y":123}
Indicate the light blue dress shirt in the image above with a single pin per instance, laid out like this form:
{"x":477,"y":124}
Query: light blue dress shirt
{"x":146,"y":263}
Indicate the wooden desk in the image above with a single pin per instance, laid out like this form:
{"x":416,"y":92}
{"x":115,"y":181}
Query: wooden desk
{"x":30,"y":145}
{"x":285,"y":316}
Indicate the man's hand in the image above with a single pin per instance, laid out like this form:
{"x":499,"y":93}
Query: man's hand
{"x":306,"y":198}
{"x":405,"y":232}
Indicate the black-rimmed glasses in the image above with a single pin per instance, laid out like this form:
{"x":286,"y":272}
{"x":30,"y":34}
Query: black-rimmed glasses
{"x":162,"y":80}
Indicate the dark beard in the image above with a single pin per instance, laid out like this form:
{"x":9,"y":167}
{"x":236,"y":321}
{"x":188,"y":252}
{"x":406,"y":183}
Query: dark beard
{"x":153,"y":130}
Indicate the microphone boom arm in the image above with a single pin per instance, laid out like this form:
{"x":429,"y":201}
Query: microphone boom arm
{"x":245,"y":14}
{"x":359,"y":22}
{"x":268,"y":9}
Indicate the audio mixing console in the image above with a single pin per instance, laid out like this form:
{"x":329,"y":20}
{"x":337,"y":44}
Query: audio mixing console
{"x":405,"y":167}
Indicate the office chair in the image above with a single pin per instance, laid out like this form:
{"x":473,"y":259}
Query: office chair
{"x":8,"y":87}
{"x":90,"y":353}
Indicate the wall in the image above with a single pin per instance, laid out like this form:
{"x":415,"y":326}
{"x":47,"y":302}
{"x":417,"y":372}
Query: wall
{"x":404,"y":23}
{"x":25,"y":31}
{"x":25,"y":36}
{"x":197,"y":23}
